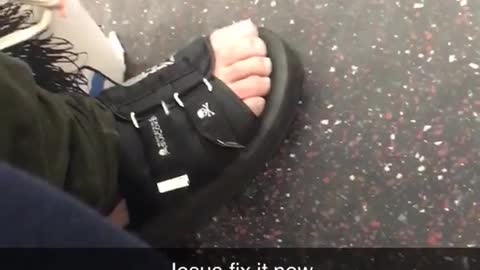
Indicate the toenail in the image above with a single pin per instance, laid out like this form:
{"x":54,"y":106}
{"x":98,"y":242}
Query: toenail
{"x":268,"y":63}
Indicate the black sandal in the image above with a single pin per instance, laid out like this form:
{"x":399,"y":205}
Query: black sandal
{"x":188,"y":144}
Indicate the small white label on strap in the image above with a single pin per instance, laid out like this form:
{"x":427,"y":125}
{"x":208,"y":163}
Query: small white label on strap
{"x":174,"y":183}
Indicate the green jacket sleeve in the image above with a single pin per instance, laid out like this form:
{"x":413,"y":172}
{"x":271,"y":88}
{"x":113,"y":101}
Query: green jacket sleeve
{"x":67,"y":139}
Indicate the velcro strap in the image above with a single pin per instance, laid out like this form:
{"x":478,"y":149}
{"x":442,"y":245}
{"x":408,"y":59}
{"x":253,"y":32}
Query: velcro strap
{"x":179,"y":78}
{"x":187,"y":122}
{"x":192,"y":139}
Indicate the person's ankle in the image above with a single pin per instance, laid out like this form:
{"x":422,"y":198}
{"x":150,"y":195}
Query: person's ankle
{"x":120,"y":216}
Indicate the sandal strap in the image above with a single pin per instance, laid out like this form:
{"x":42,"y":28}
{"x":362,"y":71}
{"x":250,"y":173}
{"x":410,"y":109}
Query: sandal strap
{"x":179,"y":126}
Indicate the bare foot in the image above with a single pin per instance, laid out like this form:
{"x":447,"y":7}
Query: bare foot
{"x":119,"y":215}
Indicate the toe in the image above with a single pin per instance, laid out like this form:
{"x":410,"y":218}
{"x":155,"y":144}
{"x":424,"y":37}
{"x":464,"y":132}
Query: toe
{"x":253,"y":86}
{"x":243,"y":49}
{"x":232,"y":32}
{"x":256,"y":104}
{"x":253,"y":66}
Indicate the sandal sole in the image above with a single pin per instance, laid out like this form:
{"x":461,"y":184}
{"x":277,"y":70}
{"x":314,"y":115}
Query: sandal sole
{"x":287,"y":78}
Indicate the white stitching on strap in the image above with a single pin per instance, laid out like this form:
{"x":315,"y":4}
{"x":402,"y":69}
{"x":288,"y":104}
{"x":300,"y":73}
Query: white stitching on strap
{"x":134,"y":120}
{"x":208,"y":84}
{"x":165,"y":108}
{"x":178,"y":100}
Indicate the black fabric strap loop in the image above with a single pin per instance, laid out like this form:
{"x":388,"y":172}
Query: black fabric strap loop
{"x":179,"y":79}
{"x":184,"y":85}
{"x":174,"y":72}
{"x":149,"y":102}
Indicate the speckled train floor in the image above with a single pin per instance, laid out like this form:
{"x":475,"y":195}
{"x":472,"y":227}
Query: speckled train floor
{"x":385,"y":151}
